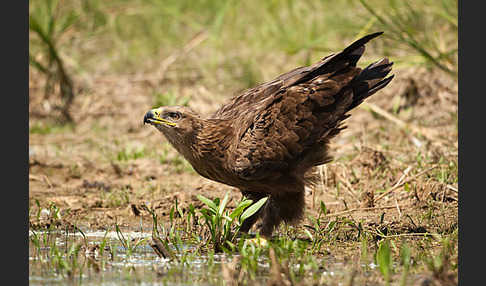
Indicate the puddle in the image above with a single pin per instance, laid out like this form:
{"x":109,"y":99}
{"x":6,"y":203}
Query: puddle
{"x":141,"y":266}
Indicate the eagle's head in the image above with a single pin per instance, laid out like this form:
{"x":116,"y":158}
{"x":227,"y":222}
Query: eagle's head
{"x":177,"y":123}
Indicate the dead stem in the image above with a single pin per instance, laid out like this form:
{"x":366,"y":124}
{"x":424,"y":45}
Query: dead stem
{"x":452,"y":188}
{"x":364,"y":209}
{"x":348,"y":186}
{"x":398,"y":209}
{"x":396,"y":186}
{"x":405,"y":173}
{"x":404,"y":234}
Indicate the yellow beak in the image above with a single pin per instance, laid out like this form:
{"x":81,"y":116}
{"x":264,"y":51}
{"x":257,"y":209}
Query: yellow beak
{"x":153,"y":117}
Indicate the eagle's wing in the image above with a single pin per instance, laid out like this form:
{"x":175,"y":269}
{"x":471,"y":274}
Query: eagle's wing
{"x":283,"y":124}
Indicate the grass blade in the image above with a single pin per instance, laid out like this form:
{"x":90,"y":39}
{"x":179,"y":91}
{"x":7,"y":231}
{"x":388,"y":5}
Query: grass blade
{"x":223,"y":203}
{"x":239,"y":209}
{"x":212,"y":206}
{"x":384,"y":260}
{"x":253,"y":209}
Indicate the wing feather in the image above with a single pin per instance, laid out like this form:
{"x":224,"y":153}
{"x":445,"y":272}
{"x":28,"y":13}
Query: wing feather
{"x":283,"y":125}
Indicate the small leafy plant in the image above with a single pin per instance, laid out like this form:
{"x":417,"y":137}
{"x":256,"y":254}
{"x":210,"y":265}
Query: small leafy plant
{"x":128,"y":244}
{"x":224,"y":225}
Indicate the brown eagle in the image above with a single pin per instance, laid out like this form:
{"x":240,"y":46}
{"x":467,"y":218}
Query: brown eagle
{"x":268,"y":140}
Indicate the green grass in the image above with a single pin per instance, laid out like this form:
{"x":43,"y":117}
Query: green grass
{"x":44,"y":128}
{"x":126,"y":154}
{"x":248,"y":41}
{"x":384,"y":260}
{"x":408,"y":27}
{"x":128,"y":243}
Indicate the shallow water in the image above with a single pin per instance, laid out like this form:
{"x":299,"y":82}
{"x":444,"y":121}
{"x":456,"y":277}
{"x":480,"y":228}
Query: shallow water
{"x":142,"y":266}
{"x":48,"y":266}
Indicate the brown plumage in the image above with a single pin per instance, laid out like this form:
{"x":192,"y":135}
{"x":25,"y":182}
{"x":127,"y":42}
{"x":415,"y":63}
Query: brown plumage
{"x":268,"y":140}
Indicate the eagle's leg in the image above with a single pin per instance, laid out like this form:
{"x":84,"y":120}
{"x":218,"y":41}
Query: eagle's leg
{"x":287,"y":207}
{"x":249,"y":222}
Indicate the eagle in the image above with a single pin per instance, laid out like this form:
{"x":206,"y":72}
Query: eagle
{"x":268,"y":140}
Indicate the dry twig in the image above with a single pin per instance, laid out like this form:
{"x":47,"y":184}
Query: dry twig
{"x":363,"y":209}
{"x":396,"y":186}
{"x":348,"y":187}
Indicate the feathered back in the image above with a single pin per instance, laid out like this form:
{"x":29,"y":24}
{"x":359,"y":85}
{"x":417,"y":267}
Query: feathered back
{"x":283,"y":125}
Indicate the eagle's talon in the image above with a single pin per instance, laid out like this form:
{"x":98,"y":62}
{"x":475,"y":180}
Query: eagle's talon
{"x":258,"y":241}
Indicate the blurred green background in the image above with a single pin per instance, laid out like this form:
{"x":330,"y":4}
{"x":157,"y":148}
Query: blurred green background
{"x":228,"y":45}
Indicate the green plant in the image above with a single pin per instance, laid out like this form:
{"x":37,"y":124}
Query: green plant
{"x":47,"y":23}
{"x":364,"y":249}
{"x":405,"y":24}
{"x":384,"y":260}
{"x":128,"y":244}
{"x":163,"y":238}
{"x":440,"y":264}
{"x":405,"y":258}
{"x":250,"y":256}
{"x":317,"y":227}
{"x":131,"y":153}
{"x":103,"y":246}
{"x":225,"y":225}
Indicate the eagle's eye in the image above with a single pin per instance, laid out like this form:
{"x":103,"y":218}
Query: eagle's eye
{"x":174,"y":115}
